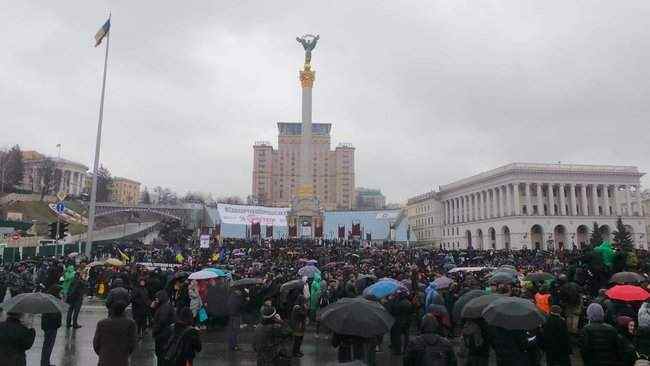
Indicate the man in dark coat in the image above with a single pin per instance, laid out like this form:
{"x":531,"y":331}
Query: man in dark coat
{"x":163,"y":318}
{"x":235,"y":304}
{"x":555,"y":339}
{"x":599,"y":341}
{"x":140,"y":302}
{"x":217,"y":302}
{"x":268,"y":338}
{"x":429,"y":348}
{"x":402,"y":310}
{"x":75,"y":300}
{"x":115,"y":338}
{"x":15,"y":339}
{"x":50,"y":323}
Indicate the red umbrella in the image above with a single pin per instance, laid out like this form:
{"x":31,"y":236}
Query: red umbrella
{"x":627,"y":293}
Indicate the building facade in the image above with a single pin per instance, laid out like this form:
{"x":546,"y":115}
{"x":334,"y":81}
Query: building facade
{"x":276,"y":172}
{"x":546,"y":206}
{"x":423,"y":212}
{"x":369,"y":199}
{"x":71,"y":175}
{"x":125,"y":191}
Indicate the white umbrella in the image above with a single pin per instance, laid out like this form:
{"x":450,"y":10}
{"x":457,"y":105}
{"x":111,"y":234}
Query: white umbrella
{"x":203,"y":275}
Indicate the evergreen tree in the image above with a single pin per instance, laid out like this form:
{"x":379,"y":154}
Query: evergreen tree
{"x":50,"y":177}
{"x":596,"y":236}
{"x":622,"y":237}
{"x":146,"y":197}
{"x":104,"y":184}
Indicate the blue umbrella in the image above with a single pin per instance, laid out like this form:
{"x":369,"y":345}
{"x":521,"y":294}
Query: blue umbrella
{"x":383,"y":288}
{"x":219,"y":272}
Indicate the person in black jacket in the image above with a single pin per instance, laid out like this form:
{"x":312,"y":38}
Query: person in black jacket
{"x":115,"y":339}
{"x":163,"y":318}
{"x":429,"y":348}
{"x":599,"y":342}
{"x":235,"y":303}
{"x":75,"y":300}
{"x":268,"y":338}
{"x":186,"y":340}
{"x":139,"y":304}
{"x":555,"y":339}
{"x":15,"y":339}
{"x":475,"y":339}
{"x":50,"y":323}
{"x":402,"y":310}
{"x":117,"y":294}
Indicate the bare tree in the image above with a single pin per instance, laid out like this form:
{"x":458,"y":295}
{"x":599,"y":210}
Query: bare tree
{"x":233,"y":200}
{"x":50,"y":177}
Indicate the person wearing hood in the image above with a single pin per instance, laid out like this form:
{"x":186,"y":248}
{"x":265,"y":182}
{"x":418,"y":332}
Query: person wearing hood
{"x":163,"y":318}
{"x":75,"y":298}
{"x":642,"y":337}
{"x":186,"y":338}
{"x":268,"y":338}
{"x":68,"y":277}
{"x":402,"y":310}
{"x":115,"y":338}
{"x":15,"y":340}
{"x":626,"y":330}
{"x":50,"y":324}
{"x":599,"y":342}
{"x":429,"y":344}
{"x":117,"y":293}
{"x":139,"y":304}
{"x":555,"y":339}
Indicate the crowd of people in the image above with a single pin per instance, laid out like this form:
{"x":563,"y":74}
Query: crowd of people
{"x":280,"y":288}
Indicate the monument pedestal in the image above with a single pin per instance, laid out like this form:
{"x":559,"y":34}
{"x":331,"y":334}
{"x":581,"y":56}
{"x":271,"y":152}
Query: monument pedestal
{"x":306,"y":216}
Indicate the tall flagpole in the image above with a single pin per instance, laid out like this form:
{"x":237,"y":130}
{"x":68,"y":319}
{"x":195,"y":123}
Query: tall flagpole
{"x":93,"y":191}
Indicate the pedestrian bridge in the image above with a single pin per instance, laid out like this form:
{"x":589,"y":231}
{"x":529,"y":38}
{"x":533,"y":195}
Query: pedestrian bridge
{"x":186,"y":213}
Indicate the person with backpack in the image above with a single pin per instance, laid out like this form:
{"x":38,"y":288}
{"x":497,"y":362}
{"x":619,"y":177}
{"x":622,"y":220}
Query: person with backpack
{"x":475,"y":340}
{"x":555,"y":339}
{"x":115,"y":337}
{"x":163,"y":318}
{"x":183,"y":342}
{"x":429,"y":348}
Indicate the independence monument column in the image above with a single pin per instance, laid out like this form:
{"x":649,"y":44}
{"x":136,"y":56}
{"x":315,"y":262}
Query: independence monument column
{"x":305,"y":213}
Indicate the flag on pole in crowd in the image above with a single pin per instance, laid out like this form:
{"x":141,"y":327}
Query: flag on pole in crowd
{"x":102,"y":32}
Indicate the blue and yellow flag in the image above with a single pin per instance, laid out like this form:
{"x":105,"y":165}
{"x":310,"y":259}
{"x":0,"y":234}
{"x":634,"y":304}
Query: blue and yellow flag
{"x":102,"y":32}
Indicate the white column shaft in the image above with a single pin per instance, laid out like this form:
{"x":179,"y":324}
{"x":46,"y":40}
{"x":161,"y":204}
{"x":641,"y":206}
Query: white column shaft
{"x":551,"y":200}
{"x":572,"y":199}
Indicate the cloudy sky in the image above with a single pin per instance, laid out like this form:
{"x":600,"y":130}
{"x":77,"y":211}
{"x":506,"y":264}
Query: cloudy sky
{"x":427,"y":91}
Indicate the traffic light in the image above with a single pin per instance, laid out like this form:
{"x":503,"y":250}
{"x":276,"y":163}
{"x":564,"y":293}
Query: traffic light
{"x":52,"y":230}
{"x":63,"y":229}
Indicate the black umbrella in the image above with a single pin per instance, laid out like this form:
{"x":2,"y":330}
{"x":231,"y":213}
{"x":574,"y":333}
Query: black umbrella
{"x":356,"y":317}
{"x":513,"y":313}
{"x":463,"y":300}
{"x":292,"y":285}
{"x":502,"y":278}
{"x":539,"y":277}
{"x":626,"y":278}
{"x":34,"y":303}
{"x":244,"y":282}
{"x":474,"y":307}
{"x":182,"y":275}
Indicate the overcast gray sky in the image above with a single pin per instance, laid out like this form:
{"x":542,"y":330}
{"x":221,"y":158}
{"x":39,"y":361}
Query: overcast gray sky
{"x":427,"y":91}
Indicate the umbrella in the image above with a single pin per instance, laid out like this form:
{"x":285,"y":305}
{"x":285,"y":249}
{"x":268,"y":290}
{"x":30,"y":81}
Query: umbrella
{"x":474,"y":307}
{"x":539,"y":277}
{"x":312,"y":262}
{"x":513,"y":313}
{"x":442,"y":282}
{"x":440,"y":312}
{"x":409,"y":285}
{"x":626,"y":278}
{"x":244,"y":282}
{"x":508,"y":267}
{"x":180,"y":276}
{"x":627,"y":293}
{"x":499,"y":278}
{"x":73,"y":254}
{"x":463,"y":300}
{"x":203,"y":274}
{"x":219,"y":272}
{"x":114,"y":262}
{"x":96,"y":263}
{"x":364,"y":281}
{"x":292,"y":285}
{"x":383,"y":288}
{"x":356,"y":317}
{"x":308,"y":271}
{"x":34,"y":303}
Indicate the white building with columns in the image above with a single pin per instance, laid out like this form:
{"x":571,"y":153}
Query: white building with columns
{"x":548,"y":206}
{"x":72,"y":175}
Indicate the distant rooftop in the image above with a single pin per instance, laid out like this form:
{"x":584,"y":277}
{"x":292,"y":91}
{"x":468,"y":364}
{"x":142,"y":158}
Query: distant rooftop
{"x":546,"y":168}
{"x":295,"y":128}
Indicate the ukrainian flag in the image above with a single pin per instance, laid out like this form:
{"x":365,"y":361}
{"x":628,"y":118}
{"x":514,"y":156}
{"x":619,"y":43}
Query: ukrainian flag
{"x":102,"y":32}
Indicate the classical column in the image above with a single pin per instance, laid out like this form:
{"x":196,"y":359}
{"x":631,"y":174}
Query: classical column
{"x":472,"y":197}
{"x":493,"y":203}
{"x":584,"y":210}
{"x":628,"y":201}
{"x":551,"y":200}
{"x":572,"y":199}
{"x":508,"y":199}
{"x":617,"y":205}
{"x":638,"y":200}
{"x":515,"y":192}
{"x":607,"y":204}
{"x":453,"y":211}
{"x":540,"y":201}
{"x":560,"y":191}
{"x":594,"y":199}
{"x":529,"y":207}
